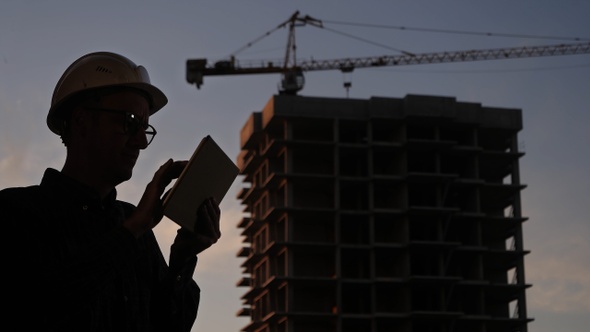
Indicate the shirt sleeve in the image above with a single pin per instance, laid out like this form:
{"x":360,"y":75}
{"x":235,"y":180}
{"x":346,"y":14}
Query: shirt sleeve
{"x":176,"y":297}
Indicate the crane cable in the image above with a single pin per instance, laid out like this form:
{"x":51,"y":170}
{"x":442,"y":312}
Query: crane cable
{"x":489,"y":34}
{"x":249,"y":44}
{"x":403,"y":28}
{"x":254,"y":41}
{"x":370,"y":42}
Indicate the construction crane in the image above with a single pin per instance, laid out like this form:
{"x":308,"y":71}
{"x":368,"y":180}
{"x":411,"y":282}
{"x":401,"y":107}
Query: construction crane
{"x":292,"y":71}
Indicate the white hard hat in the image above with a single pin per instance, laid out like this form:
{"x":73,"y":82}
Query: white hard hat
{"x":100,"y":70}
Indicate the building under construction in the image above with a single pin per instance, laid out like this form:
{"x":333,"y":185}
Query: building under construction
{"x":382,"y":215}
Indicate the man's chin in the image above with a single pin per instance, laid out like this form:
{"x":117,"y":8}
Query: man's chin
{"x":123,"y":176}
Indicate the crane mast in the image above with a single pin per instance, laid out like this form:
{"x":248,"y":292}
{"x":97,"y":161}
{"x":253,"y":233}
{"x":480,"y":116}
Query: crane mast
{"x":292,"y":71}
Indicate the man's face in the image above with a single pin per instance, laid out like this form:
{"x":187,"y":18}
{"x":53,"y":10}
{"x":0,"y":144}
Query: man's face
{"x":117,"y":137}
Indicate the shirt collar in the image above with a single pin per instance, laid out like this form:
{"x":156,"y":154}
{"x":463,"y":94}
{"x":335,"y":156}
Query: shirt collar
{"x":66,"y":187}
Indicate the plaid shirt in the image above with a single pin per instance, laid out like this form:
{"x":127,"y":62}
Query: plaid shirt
{"x":72,"y":266}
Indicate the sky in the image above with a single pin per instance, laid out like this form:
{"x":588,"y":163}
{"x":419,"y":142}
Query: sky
{"x":39,"y":39}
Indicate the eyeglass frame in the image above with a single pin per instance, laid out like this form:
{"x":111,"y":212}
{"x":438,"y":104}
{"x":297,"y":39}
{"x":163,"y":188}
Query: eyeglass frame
{"x":149,"y":134}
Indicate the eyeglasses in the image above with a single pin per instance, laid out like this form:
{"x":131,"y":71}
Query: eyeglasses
{"x":131,"y":123}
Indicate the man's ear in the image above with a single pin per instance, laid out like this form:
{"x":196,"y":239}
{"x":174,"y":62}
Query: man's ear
{"x":79,"y":121}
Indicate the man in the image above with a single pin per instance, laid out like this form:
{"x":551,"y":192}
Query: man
{"x":78,"y":259}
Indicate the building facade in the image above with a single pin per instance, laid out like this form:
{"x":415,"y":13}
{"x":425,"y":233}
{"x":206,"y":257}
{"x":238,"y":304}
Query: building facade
{"x":382,"y":215}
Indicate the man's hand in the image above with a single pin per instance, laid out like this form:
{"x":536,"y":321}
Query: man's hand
{"x":149,"y":210}
{"x":206,"y":231}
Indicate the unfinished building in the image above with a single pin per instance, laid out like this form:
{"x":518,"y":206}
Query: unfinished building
{"x":382,"y":215}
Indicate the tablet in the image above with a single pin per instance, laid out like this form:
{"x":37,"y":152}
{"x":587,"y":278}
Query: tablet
{"x":209,"y":173}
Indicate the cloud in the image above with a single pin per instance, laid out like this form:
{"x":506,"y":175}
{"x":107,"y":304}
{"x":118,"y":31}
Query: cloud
{"x":14,"y":150}
{"x":215,"y":259}
{"x":560,"y":279}
{"x":27,"y":146}
{"x":11,"y":165}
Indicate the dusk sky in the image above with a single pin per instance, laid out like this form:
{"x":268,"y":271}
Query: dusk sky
{"x":39,"y":39}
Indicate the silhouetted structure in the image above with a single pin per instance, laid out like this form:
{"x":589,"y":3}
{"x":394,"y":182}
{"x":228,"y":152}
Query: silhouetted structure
{"x":382,"y":215}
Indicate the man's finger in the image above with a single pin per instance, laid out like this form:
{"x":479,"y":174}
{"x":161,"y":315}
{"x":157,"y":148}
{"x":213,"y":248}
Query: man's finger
{"x":214,"y":214}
